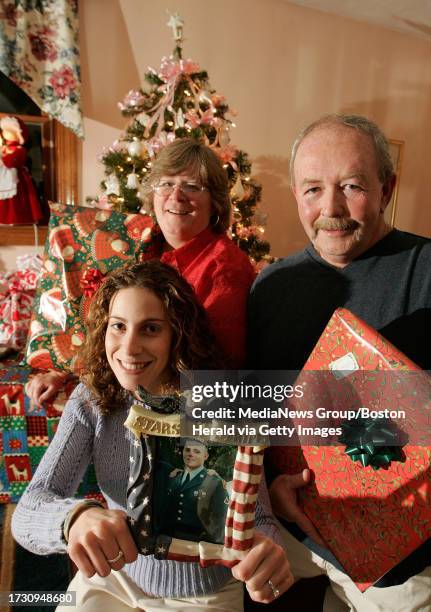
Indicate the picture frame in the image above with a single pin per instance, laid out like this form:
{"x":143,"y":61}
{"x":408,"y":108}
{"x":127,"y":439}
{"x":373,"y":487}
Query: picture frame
{"x":396,"y":150}
{"x":188,"y":499}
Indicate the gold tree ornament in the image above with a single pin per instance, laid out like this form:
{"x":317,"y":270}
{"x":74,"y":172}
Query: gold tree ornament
{"x":237,"y":191}
{"x":205,"y":96}
{"x":224,"y":135}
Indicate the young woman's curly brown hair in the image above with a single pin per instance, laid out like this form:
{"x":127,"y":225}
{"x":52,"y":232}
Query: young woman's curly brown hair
{"x":193,"y":346}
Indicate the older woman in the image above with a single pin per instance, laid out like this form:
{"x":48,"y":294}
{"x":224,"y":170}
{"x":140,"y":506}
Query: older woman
{"x":188,"y":193}
{"x":192,"y":207}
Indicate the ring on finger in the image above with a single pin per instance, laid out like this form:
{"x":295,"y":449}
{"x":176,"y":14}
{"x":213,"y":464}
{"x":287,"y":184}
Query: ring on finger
{"x":275,"y":591}
{"x":117,"y":558}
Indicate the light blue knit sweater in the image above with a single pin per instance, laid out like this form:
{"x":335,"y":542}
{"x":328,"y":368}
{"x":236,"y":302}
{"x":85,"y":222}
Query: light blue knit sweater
{"x":84,"y":435}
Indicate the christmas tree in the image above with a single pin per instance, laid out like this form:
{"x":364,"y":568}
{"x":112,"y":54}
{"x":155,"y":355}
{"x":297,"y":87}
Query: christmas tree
{"x":180,"y":102}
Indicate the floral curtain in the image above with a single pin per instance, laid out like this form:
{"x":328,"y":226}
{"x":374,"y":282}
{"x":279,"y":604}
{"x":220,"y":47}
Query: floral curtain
{"x":39,"y":52}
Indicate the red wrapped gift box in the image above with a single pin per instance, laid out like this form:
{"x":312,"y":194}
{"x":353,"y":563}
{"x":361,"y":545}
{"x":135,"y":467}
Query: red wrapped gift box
{"x":369,"y":519}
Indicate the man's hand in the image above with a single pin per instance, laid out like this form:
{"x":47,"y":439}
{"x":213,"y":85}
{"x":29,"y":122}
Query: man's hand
{"x":265,"y":570}
{"x":285,"y":502}
{"x":96,"y":536}
{"x":45,"y":386}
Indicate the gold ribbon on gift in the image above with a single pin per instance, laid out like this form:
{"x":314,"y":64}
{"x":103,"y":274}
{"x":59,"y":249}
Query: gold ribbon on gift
{"x":146,"y":421}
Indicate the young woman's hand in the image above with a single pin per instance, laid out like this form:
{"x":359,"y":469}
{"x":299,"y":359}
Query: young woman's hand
{"x":45,"y":386}
{"x":265,"y":570}
{"x":100,"y":541}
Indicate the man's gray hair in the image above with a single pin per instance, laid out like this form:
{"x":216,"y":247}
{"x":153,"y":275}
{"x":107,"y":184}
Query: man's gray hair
{"x":385,"y":167}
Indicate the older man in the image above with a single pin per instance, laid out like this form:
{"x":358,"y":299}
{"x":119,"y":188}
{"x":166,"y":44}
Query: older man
{"x":342,"y":178}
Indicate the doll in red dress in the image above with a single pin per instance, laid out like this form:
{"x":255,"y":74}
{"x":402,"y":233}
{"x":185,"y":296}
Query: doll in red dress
{"x":19,"y":202}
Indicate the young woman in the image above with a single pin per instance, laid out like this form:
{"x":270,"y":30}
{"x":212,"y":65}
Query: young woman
{"x":144,"y":327}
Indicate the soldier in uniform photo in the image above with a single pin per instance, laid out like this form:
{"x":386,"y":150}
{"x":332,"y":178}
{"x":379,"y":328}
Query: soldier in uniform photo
{"x":192,"y":501}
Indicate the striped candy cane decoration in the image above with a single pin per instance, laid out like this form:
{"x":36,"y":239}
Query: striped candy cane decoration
{"x":242,"y":504}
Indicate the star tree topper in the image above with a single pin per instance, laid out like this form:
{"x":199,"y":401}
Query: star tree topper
{"x":176,"y":22}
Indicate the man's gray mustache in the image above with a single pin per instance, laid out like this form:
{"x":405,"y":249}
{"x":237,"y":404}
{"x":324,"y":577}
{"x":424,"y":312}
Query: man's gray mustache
{"x":335,"y":224}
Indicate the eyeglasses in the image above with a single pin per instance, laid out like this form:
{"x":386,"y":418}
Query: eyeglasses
{"x":165,"y":188}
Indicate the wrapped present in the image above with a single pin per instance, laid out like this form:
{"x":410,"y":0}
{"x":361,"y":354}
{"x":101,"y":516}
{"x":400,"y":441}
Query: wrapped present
{"x":370,"y":497}
{"x":17,"y":292}
{"x":82,"y":246}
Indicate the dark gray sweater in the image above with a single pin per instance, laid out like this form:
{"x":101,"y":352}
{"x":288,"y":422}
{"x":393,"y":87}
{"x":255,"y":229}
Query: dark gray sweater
{"x":389,"y":287}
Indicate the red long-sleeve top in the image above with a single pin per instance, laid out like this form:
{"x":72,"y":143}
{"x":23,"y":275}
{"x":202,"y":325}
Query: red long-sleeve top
{"x":221,"y":275}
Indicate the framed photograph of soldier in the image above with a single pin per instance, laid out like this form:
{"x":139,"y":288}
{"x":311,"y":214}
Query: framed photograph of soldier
{"x":188,"y":500}
{"x":191,"y":489}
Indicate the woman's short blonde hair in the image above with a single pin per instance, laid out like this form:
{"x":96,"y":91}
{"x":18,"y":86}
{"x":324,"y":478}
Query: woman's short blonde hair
{"x":191,"y":155}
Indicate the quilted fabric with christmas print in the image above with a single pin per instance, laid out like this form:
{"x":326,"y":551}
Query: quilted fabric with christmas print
{"x":25,"y":432}
{"x":371,"y":519}
{"x":83,"y":245}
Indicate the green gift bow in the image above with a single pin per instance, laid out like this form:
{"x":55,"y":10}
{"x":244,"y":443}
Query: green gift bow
{"x":371,"y":442}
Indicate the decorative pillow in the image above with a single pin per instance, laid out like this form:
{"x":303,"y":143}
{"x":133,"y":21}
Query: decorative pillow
{"x":82,"y":245}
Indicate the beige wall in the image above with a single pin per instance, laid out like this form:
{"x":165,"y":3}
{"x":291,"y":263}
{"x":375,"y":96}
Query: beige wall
{"x":280,"y":66}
